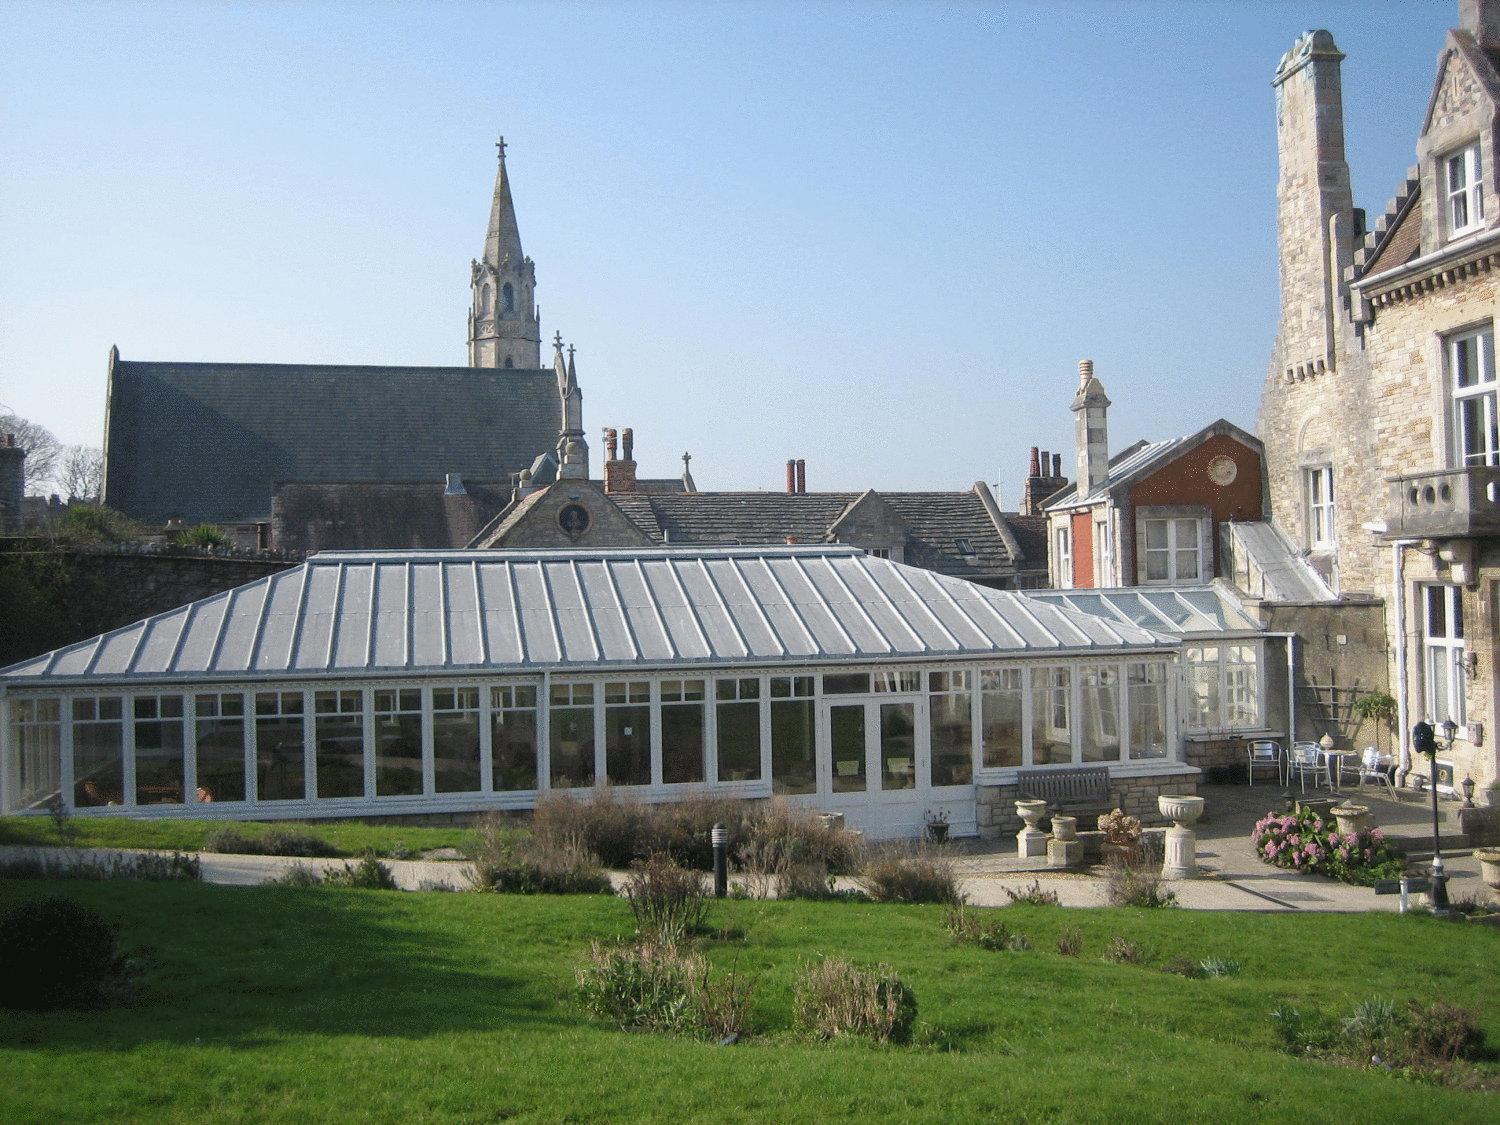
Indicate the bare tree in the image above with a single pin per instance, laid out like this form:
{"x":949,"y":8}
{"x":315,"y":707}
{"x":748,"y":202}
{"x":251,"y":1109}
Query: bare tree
{"x":82,"y":473}
{"x":41,"y":445}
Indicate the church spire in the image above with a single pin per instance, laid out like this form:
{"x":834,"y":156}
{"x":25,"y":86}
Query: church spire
{"x":504,"y":327}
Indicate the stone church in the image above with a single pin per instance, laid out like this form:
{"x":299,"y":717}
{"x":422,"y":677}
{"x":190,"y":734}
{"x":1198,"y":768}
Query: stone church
{"x":316,"y":456}
{"x":1381,"y":411}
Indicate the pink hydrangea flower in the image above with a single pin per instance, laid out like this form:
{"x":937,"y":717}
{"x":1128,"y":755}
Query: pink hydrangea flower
{"x":1333,"y":837}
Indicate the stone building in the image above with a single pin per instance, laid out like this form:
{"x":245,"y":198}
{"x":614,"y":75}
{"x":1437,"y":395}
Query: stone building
{"x":1379,"y":412}
{"x":340,"y":444}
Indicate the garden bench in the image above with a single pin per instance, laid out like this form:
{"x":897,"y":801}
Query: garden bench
{"x":1070,"y":791}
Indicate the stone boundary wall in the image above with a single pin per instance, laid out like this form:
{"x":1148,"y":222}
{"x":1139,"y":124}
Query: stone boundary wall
{"x":997,"y":803}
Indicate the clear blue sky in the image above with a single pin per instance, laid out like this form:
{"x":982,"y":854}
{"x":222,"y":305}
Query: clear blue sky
{"x":875,"y":236}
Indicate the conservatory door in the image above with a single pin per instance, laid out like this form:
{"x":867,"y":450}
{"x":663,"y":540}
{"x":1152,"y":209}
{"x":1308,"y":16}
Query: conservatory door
{"x":877,"y":764}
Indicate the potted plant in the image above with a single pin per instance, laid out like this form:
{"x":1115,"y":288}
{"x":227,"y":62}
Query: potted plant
{"x":1489,"y":866}
{"x":937,"y":826}
{"x":1380,"y":708}
{"x":1122,"y":837}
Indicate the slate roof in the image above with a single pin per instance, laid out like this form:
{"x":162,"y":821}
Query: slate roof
{"x":308,"y":517}
{"x":1138,"y":460}
{"x":208,"y":441}
{"x":935,"y":520}
{"x":441,"y":612}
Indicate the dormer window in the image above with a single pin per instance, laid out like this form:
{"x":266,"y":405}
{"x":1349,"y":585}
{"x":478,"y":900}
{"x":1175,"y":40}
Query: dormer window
{"x":1464,"y":176}
{"x":964,"y":547}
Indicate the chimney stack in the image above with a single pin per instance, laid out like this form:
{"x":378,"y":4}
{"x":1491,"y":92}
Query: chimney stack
{"x":1043,"y":478}
{"x":1090,"y":428}
{"x":1057,"y":465}
{"x":791,"y":475}
{"x":619,"y":472}
{"x":801,"y":475}
{"x":1035,"y":468}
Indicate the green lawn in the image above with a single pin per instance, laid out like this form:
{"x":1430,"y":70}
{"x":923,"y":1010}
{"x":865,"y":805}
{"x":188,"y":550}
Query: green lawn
{"x":279,"y":1003}
{"x":350,"y":836}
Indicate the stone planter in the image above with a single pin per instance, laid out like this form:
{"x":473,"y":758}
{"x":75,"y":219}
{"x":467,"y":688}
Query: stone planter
{"x":1065,"y":828}
{"x":1352,"y":819}
{"x":1489,"y":866}
{"x":1181,"y":859}
{"x":1031,"y":841}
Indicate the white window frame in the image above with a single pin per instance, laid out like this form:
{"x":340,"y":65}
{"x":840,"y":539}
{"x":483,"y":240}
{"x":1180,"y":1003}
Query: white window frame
{"x":1232,"y":679}
{"x":1450,"y":649}
{"x":1105,"y":548}
{"x":1318,"y":494}
{"x":1463,"y":188}
{"x":1479,"y":362}
{"x":1064,"y":536}
{"x":1172,"y":548}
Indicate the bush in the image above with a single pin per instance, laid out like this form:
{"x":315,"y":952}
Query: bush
{"x":55,"y":953}
{"x":653,"y":987}
{"x":1032,"y":895}
{"x":275,"y":841}
{"x":992,"y":933}
{"x":1433,"y":1040}
{"x":297,"y":875}
{"x":898,"y":874}
{"x":511,"y":862}
{"x":833,"y":999}
{"x":1120,"y":829}
{"x":667,"y":900}
{"x":1123,"y":951}
{"x":1305,"y":841}
{"x":144,"y":866}
{"x":201,"y":535}
{"x":1183,"y":966}
{"x":368,"y":874}
{"x":1219,"y":967}
{"x":809,"y":880}
{"x":1070,"y":941}
{"x":1131,"y":885}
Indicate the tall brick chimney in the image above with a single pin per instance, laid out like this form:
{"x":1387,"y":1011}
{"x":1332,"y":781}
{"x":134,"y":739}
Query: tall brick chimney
{"x":791,"y":475}
{"x":12,"y":483}
{"x":1043,"y":478}
{"x":801,"y":475}
{"x":619,"y":471}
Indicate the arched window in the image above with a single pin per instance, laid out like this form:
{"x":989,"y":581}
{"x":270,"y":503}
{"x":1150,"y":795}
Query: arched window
{"x":508,"y":295}
{"x":484,"y":300}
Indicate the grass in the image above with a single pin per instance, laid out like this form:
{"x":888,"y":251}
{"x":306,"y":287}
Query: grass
{"x":350,"y":837}
{"x":266,"y":1003}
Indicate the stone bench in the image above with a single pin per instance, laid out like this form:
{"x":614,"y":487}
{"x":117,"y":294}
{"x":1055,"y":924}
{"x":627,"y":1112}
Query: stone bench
{"x":1070,"y":791}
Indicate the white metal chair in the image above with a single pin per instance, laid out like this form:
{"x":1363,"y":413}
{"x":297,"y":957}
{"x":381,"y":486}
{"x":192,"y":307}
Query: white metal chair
{"x":1307,"y":760}
{"x":1374,"y":767}
{"x":1265,"y":754}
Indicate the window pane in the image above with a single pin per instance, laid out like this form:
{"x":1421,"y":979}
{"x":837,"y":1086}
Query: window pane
{"x":455,"y":752}
{"x":1437,"y":611}
{"x":846,"y":683}
{"x":792,"y":746}
{"x":1000,"y":716}
{"x":739,"y":741}
{"x":1051,"y":716}
{"x":571,"y":737}
{"x":846,"y":730}
{"x":1203,"y":694}
{"x":98,"y":763}
{"x":159,"y":757}
{"x":1156,"y":566}
{"x":36,"y":753}
{"x":1101,"y":715}
{"x":339,"y":735}
{"x":398,"y":749}
{"x":221,"y":748}
{"x":513,"y":747}
{"x":627,"y":745}
{"x":1156,"y":535}
{"x":952,"y":739}
{"x":682,"y":741}
{"x":1187,"y":565}
{"x":898,"y":746}
{"x":1438,"y":672}
{"x":278,"y":756}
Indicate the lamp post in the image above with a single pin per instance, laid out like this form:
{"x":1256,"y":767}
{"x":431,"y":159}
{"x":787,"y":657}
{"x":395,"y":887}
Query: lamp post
{"x":1439,"y":880}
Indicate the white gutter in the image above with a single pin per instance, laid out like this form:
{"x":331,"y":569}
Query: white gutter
{"x":1398,"y":606}
{"x":1444,"y":257}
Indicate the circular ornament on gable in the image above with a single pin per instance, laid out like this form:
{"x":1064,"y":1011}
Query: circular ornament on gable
{"x":1222,"y":471}
{"x":573,"y":519}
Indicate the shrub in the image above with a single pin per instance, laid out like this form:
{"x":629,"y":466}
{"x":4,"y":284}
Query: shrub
{"x":1123,"y":951}
{"x":1120,"y":829}
{"x":1131,"y":885}
{"x":1219,"y":967}
{"x":512,"y":862}
{"x":1183,"y":966}
{"x":653,"y":987}
{"x":55,"y":953}
{"x":275,"y":841}
{"x":834,"y":998}
{"x":896,"y":874}
{"x":1070,"y":941}
{"x":1432,"y":1040}
{"x":367,"y":874}
{"x":1032,"y":895}
{"x":1442,"y":1033}
{"x":666,"y":899}
{"x":992,"y":933}
{"x":201,"y":535}
{"x":1305,"y":841}
{"x":809,"y":880}
{"x":144,"y":866}
{"x":297,"y":875}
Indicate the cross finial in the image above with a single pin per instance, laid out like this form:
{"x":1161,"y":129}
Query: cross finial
{"x":686,"y":457}
{"x":557,"y":341}
{"x":570,"y":351}
{"x":500,"y":147}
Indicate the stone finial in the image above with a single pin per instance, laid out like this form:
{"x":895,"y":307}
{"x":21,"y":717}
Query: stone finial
{"x":557,"y":343}
{"x":500,"y":148}
{"x":1085,"y":371}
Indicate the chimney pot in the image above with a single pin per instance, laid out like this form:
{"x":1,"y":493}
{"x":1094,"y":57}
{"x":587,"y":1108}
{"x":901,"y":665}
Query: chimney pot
{"x":1085,"y":370}
{"x":611,"y":451}
{"x":791,"y":475}
{"x":801,"y":475}
{"x":627,"y":443}
{"x":1057,"y":465}
{"x":1035,"y":469}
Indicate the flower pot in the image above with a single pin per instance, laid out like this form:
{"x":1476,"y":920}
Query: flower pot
{"x":1352,"y":819}
{"x":1181,"y":811}
{"x":1065,"y":828}
{"x":1489,"y":866}
{"x":937,"y":832}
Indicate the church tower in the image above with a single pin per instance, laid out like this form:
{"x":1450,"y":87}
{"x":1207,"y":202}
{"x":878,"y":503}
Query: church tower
{"x":504,"y":328}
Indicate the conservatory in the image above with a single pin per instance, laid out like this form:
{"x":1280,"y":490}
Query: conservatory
{"x":363,"y":684}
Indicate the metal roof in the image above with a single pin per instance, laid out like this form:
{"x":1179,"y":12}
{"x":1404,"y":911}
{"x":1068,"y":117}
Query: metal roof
{"x":441,"y":612}
{"x":1183,"y":611}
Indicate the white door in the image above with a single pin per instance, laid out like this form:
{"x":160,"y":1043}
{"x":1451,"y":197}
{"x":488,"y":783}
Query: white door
{"x":877,"y":767}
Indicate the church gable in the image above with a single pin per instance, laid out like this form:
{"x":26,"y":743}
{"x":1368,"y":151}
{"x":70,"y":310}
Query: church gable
{"x":571,"y":513}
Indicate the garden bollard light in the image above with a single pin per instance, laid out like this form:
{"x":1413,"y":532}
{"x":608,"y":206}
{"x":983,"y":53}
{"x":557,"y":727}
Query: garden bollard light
{"x":720,"y":838}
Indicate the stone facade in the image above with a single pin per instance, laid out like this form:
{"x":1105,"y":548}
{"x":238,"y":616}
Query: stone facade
{"x":996,"y":804}
{"x":505,"y":328}
{"x":1361,"y":380}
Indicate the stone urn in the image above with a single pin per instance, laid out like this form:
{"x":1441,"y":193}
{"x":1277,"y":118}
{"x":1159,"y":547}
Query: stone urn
{"x":1181,"y":858}
{"x":1489,"y":866}
{"x":1352,"y":819}
{"x":1031,"y":841}
{"x":1065,"y":828}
